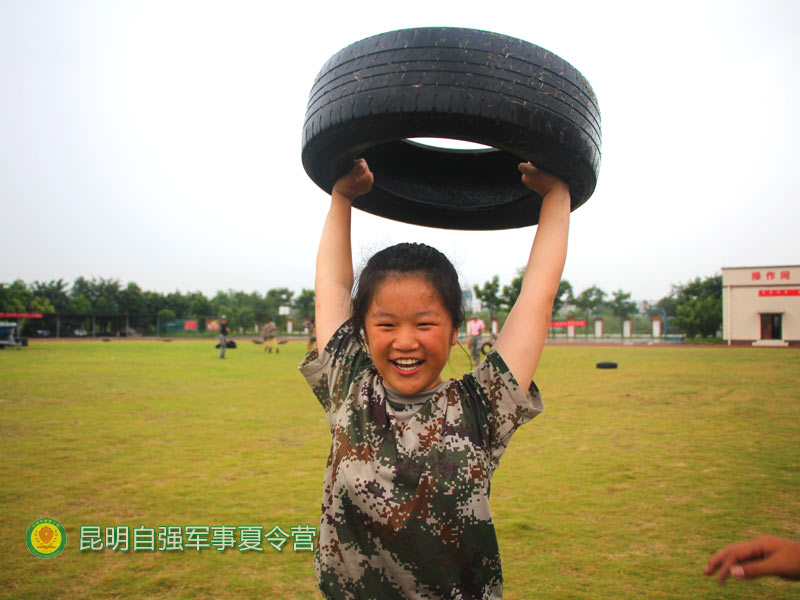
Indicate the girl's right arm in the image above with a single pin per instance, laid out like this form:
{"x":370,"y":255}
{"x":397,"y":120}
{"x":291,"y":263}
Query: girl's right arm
{"x":334,"y":279}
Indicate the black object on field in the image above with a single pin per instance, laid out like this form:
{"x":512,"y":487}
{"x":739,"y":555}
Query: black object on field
{"x":523,"y":101}
{"x":230,"y":344}
{"x":606,"y":364}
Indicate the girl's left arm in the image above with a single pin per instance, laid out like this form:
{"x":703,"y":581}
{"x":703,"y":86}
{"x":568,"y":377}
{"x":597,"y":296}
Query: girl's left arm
{"x":522,"y":338}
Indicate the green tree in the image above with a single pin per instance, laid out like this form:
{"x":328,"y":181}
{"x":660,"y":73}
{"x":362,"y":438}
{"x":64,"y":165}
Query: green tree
{"x":590,"y":301}
{"x":564,"y":296}
{"x":511,"y":292}
{"x":131,"y":300}
{"x":667,"y":304}
{"x":15,"y":297}
{"x":199,"y":305}
{"x":83,"y":287}
{"x":79,"y":305}
{"x":154,"y":301}
{"x":304,"y":304}
{"x":165,"y":315}
{"x":622,"y":306}
{"x":699,"y":306}
{"x":178,"y":303}
{"x":40,"y":304}
{"x":277,"y":297}
{"x":489,"y":295}
{"x":54,"y":291}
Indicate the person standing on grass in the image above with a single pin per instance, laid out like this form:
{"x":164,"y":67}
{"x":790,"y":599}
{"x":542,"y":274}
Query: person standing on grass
{"x":223,"y":336}
{"x":312,"y":334}
{"x":476,"y":327}
{"x":405,"y":504}
{"x":269,"y":336}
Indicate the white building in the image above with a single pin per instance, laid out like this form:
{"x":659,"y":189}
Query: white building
{"x":761,"y":305}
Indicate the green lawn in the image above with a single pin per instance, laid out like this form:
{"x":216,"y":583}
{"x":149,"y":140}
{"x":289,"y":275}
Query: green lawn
{"x":621,"y":489}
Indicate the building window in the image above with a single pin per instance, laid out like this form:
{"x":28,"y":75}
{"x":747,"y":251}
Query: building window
{"x":771,"y":327}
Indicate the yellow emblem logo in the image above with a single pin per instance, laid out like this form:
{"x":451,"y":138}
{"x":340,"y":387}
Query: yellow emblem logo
{"x":46,"y":538}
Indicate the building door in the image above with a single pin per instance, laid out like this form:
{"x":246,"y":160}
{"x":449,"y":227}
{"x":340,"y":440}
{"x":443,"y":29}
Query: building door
{"x":771,"y":327}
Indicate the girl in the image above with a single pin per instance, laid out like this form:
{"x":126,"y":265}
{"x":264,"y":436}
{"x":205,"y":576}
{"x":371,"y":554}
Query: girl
{"x":405,"y":505}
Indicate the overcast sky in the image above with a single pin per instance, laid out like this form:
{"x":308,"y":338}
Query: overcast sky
{"x":159,"y":142}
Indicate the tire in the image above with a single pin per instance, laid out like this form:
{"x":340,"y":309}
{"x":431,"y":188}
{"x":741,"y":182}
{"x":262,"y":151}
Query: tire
{"x":606,"y":364}
{"x":521,"y":100}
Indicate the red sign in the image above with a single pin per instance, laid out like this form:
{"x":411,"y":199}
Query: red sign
{"x":770,"y":275}
{"x":567,"y":323}
{"x":5,"y":315}
{"x":190,"y":325}
{"x":779,"y":292}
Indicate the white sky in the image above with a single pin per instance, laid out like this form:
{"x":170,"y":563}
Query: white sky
{"x":159,"y":142}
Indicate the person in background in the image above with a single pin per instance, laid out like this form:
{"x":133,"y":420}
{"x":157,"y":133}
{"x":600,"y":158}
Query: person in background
{"x":312,"y":334}
{"x":475,"y":327}
{"x":269,"y":336}
{"x":223,"y":336}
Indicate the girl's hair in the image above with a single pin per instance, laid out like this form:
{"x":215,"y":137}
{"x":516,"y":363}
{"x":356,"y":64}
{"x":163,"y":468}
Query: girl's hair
{"x":403,"y":260}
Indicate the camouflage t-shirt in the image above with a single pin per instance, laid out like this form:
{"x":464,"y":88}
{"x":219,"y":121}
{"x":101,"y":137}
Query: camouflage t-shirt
{"x":405,"y":503}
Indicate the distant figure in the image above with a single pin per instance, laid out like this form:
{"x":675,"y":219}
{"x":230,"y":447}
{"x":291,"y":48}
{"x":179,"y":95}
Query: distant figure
{"x":269,"y":336}
{"x":312,"y":334}
{"x":475,"y":328}
{"x":223,"y":336}
{"x":765,"y":555}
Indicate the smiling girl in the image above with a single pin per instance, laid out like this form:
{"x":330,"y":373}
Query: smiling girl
{"x":405,"y":504}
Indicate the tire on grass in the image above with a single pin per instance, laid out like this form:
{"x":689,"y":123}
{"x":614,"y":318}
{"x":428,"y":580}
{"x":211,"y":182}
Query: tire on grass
{"x":606,"y":364}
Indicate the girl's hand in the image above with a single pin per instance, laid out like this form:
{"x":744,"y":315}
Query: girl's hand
{"x":357,"y":182}
{"x":540,"y":181}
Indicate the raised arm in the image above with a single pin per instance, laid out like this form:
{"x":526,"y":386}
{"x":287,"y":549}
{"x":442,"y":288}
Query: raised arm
{"x":334,"y":278}
{"x":522,"y":338}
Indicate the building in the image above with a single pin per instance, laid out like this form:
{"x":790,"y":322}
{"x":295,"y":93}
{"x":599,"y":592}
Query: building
{"x":761,"y":305}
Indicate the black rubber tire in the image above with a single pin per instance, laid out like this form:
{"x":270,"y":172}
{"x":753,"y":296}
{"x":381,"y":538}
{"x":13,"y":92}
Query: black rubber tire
{"x":606,"y":364}
{"x":523,"y":101}
{"x":486,"y":348}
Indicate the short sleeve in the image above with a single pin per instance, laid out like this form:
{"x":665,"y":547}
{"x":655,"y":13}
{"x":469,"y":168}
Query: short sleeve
{"x":332,"y":373}
{"x":508,"y":405}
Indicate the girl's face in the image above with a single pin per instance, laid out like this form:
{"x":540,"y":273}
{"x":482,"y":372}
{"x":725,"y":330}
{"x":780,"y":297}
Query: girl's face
{"x":409,"y":333}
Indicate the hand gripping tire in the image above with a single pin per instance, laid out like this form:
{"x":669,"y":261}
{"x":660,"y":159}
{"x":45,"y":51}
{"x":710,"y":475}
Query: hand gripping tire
{"x":521,"y":100}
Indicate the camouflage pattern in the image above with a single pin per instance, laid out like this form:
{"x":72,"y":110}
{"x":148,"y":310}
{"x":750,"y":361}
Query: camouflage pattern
{"x":405,"y":503}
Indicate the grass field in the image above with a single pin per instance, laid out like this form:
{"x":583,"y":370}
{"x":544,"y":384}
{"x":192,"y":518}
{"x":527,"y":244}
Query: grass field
{"x":622,"y":488}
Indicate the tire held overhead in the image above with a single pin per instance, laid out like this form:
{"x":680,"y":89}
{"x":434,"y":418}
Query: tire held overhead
{"x":521,"y":100}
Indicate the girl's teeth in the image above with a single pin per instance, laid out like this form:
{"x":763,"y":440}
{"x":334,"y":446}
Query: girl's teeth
{"x":407,"y":363}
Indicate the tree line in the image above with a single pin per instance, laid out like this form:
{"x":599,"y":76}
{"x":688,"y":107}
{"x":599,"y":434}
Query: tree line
{"x":694,"y":308}
{"x":106,"y":300}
